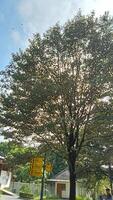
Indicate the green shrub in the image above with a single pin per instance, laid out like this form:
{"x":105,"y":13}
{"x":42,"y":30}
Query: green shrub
{"x":25,"y":195}
{"x":52,"y":198}
{"x":47,"y":198}
{"x":25,"y":192}
{"x":79,"y":198}
{"x":87,"y":198}
{"x":82,"y":198}
{"x":25,"y":189}
{"x":56,"y":198}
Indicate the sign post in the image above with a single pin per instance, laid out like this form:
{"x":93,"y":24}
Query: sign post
{"x":43,"y":177}
{"x":38,"y":166}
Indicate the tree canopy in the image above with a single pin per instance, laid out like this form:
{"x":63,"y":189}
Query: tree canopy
{"x":53,"y":89}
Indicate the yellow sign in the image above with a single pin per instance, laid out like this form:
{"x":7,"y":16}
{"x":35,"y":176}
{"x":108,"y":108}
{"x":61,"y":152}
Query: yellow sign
{"x":49,"y":167}
{"x":35,"y":173}
{"x":37,"y":161}
{"x":36,"y":166}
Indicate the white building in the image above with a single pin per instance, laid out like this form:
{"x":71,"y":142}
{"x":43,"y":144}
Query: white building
{"x":60,"y":185}
{"x":5,"y":174}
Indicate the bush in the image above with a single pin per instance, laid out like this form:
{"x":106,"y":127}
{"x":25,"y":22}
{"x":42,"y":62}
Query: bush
{"x":25,"y":195}
{"x":25,"y":192}
{"x":25,"y":189}
{"x":82,"y":198}
{"x":47,"y":198}
{"x":56,"y":198}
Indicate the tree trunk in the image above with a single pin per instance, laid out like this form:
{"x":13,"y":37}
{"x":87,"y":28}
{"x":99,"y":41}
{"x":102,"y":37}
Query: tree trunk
{"x":72,"y":172}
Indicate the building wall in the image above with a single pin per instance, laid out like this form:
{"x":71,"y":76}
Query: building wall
{"x":5,"y":179}
{"x":65,"y":192}
{"x":50,"y":189}
{"x":80,"y":190}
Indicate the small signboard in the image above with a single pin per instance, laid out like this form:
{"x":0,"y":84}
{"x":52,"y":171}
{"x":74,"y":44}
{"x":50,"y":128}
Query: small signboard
{"x":35,"y":173}
{"x":49,"y":167}
{"x":36,"y":166}
{"x":38,"y":161}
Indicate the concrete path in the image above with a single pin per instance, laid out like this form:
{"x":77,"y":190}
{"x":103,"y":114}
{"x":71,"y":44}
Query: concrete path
{"x":7,"y":197}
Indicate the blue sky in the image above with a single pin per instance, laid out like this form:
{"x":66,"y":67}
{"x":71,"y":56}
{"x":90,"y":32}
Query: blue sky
{"x":19,"y":19}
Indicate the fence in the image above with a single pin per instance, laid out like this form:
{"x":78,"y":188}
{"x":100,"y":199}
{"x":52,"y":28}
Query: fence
{"x":34,"y":188}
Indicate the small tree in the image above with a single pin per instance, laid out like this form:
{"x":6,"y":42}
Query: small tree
{"x":56,"y":84}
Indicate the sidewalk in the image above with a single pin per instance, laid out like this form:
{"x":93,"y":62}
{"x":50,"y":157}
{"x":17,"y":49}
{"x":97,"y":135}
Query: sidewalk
{"x":7,"y":197}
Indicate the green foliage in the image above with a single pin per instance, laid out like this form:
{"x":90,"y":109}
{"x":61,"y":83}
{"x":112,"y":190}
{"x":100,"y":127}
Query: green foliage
{"x":25,"y":192}
{"x":47,"y":198}
{"x":16,"y":154}
{"x":82,"y":198}
{"x":57,"y":160}
{"x":25,"y":189}
{"x":26,"y":196}
{"x":102,"y":185}
{"x":18,"y":159}
{"x":22,"y":173}
{"x":4,"y":148}
{"x":61,"y":76}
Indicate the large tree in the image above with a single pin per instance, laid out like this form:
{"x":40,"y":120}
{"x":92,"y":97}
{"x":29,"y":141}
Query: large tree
{"x":96,"y":157}
{"x":52,"y":89}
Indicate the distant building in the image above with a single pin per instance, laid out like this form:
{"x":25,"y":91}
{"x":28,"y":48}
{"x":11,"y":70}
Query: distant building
{"x":5,"y":174}
{"x":57,"y":186}
{"x":60,"y":185}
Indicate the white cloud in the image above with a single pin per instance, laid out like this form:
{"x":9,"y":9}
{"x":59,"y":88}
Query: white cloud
{"x":39,"y":15}
{"x":100,"y":6}
{"x":16,"y":37}
{"x":19,"y":40}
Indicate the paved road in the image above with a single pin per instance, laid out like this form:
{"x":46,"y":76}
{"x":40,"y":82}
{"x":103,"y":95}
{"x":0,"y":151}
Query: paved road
{"x":7,"y":197}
